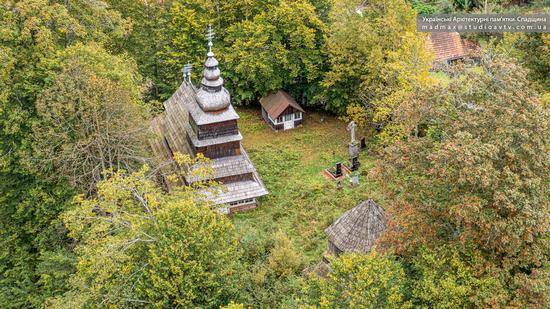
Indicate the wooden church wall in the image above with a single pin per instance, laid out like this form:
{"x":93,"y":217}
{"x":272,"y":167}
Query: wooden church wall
{"x":217,"y":129}
{"x":220,"y":150}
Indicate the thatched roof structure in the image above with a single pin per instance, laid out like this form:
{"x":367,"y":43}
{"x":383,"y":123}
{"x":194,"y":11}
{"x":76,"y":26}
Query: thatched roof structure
{"x":357,"y":229}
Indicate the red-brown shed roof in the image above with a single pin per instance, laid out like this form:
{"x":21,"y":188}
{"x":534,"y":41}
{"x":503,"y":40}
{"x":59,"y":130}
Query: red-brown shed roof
{"x":446,"y":45}
{"x":276,"y":103}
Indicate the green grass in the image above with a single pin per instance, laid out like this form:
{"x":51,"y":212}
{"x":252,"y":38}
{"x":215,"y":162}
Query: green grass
{"x":301,"y":203}
{"x":441,"y":77}
{"x":444,"y":79}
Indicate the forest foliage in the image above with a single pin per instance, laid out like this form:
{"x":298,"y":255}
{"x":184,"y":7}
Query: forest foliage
{"x":463,"y":167}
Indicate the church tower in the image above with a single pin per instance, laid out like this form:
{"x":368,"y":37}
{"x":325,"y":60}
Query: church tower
{"x":206,"y":119}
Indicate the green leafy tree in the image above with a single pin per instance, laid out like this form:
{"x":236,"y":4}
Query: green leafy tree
{"x":376,"y":58}
{"x":282,"y":47}
{"x":31,"y":32}
{"x":478,"y":180}
{"x":92,"y":110}
{"x":283,"y":259}
{"x":188,"y":21}
{"x":421,"y":7}
{"x":533,"y":52}
{"x":263,"y":45}
{"x":273,"y":265}
{"x":138,"y":246}
{"x":359,"y":281}
{"x":148,"y":34}
{"x":441,"y":279}
{"x":100,"y":23}
{"x":234,"y":12}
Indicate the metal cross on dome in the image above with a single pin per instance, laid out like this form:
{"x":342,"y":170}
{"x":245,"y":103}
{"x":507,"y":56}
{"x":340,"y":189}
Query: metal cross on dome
{"x":210,"y":37}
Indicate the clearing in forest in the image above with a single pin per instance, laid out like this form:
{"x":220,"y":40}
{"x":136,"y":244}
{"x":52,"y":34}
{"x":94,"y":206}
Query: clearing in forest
{"x":301,"y":203}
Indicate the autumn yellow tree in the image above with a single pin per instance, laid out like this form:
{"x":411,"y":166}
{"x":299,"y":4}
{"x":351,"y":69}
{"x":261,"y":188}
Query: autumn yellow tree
{"x":478,"y":180}
{"x":359,"y":281}
{"x":91,"y":117}
{"x":138,"y":246}
{"x":376,"y":59}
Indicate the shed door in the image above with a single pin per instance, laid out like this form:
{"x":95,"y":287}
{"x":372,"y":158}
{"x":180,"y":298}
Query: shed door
{"x":289,"y":124}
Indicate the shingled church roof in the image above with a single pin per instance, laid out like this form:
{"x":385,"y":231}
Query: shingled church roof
{"x":193,"y":110}
{"x":358,"y":228}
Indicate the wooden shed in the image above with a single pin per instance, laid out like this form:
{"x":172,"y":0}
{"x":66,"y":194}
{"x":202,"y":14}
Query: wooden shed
{"x":357,"y":229}
{"x":450,"y":47}
{"x":281,"y":111}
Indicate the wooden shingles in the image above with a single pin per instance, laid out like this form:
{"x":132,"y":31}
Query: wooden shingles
{"x":158,"y":144}
{"x":357,"y":229}
{"x":177,"y":117}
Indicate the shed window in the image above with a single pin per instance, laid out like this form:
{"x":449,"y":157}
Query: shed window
{"x":246,"y":201}
{"x":298,"y":115}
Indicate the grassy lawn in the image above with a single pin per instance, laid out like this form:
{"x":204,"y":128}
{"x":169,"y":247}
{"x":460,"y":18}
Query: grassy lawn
{"x":444,"y":79}
{"x":441,"y":77}
{"x":302,"y":203}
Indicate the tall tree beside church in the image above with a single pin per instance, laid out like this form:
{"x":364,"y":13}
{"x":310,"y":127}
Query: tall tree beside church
{"x":32,"y":31}
{"x":145,"y":42}
{"x":92,"y":110}
{"x":138,"y":246}
{"x":376,"y":57}
{"x":479,"y":182}
{"x":167,"y":35}
{"x":188,"y":21}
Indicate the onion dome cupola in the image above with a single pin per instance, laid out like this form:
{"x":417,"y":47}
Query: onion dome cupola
{"x":212,"y":96}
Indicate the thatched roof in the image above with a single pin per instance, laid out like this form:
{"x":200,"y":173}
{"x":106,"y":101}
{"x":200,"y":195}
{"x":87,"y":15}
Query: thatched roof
{"x":357,"y":229}
{"x":275,"y":104}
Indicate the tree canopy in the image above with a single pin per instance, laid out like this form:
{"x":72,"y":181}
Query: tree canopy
{"x":92,"y":109}
{"x":459,"y":163}
{"x":139,"y":246}
{"x":375,"y":55}
{"x":477,"y":179}
{"x":356,"y":281}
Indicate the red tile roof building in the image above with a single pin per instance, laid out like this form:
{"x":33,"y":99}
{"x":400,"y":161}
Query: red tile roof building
{"x":449,"y":47}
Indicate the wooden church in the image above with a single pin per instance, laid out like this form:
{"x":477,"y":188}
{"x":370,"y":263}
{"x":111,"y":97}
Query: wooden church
{"x":202,"y":120}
